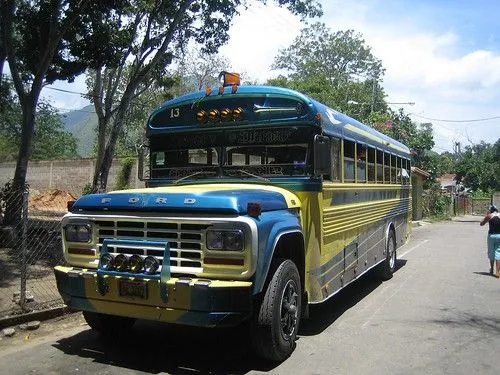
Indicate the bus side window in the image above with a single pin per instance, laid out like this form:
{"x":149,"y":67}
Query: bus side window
{"x":371,"y":164}
{"x":405,"y":172}
{"x":348,"y":161}
{"x":393,"y":169}
{"x":398,"y":169}
{"x":361,"y":162}
{"x":335,"y":159}
{"x":387,"y":166}
{"x":380,"y":166}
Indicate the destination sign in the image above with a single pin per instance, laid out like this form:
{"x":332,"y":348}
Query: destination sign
{"x":236,"y":137}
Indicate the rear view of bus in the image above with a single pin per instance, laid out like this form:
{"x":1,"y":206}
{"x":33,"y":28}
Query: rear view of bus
{"x":252,"y":210}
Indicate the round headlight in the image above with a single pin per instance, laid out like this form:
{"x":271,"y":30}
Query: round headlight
{"x":151,"y":265}
{"x":135,"y":263}
{"x":107,"y":262}
{"x":121,"y":262}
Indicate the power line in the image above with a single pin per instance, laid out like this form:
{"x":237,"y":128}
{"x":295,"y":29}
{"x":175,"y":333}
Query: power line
{"x":447,"y":120}
{"x":68,"y":91}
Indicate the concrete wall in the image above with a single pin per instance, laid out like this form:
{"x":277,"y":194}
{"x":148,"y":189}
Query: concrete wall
{"x":66,"y":175}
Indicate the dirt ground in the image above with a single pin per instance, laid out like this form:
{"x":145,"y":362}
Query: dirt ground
{"x":53,"y":200}
{"x":63,"y":325}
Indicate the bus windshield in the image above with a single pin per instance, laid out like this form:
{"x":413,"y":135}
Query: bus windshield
{"x":232,"y":161}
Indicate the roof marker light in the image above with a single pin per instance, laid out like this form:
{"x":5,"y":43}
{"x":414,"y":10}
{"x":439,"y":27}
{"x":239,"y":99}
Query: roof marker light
{"x":238,"y":114}
{"x":213,"y":115}
{"x":202,"y":116}
{"x":229,"y":79}
{"x":226,"y":114}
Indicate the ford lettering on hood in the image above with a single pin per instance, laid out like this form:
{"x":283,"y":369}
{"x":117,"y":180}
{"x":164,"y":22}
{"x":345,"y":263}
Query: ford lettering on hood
{"x":210,"y":197}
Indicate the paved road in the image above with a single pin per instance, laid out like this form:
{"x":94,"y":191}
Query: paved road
{"x":440,"y":314}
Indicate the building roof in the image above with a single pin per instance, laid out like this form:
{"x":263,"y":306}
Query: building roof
{"x":420,"y":172}
{"x":447,"y":179}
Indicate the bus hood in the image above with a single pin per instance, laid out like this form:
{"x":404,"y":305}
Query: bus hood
{"x":228,"y":198}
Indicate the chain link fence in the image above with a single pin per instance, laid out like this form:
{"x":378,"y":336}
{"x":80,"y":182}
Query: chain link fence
{"x":30,"y":246}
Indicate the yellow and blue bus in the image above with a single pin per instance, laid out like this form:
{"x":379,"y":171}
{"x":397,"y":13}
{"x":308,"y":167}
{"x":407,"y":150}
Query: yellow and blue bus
{"x":258,"y":202}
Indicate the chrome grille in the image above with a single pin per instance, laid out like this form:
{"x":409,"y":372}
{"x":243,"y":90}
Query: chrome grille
{"x":186,"y":240}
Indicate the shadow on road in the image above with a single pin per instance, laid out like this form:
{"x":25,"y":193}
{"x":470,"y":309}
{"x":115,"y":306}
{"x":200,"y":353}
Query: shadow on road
{"x":483,"y":273}
{"x":155,"y":348}
{"x":323,"y":315}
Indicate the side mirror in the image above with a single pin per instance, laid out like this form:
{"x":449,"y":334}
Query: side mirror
{"x":144,"y":169}
{"x":322,"y":155}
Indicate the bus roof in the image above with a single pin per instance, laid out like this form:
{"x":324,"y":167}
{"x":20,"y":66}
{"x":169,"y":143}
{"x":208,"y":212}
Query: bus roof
{"x":264,"y":106}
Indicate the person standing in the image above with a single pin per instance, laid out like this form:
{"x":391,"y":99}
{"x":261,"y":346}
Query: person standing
{"x":492,"y":217}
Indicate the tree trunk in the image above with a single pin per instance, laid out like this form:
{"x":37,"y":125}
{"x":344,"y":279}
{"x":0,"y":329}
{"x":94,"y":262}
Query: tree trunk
{"x":13,"y":209}
{"x":118,"y":120}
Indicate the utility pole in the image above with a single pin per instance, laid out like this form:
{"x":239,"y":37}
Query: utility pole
{"x":374,"y":92}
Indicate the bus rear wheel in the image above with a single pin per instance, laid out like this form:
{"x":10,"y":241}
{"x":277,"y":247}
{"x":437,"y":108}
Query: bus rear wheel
{"x":108,"y":324}
{"x":278,"y":315}
{"x":386,"y":269}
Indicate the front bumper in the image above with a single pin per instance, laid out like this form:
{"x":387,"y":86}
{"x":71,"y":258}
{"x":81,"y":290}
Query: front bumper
{"x":187,"y":301}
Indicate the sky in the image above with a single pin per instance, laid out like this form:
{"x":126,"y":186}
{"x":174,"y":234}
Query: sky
{"x":444,"y":56}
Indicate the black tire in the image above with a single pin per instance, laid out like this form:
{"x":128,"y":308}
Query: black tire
{"x":277,"y":317}
{"x":386,"y":269}
{"x":108,"y":324}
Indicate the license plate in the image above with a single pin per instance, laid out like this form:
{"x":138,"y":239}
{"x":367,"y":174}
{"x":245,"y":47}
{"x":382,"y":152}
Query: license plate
{"x":133,"y":289}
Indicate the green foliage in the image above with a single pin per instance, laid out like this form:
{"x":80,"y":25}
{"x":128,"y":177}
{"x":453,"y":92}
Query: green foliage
{"x":50,"y":141}
{"x":437,"y":203}
{"x":340,"y":56}
{"x":478,"y":167}
{"x":335,"y":68}
{"x":87,"y":189}
{"x":123,"y":178}
{"x":480,"y":193}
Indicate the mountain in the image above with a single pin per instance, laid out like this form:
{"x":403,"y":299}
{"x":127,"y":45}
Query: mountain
{"x":82,"y":123}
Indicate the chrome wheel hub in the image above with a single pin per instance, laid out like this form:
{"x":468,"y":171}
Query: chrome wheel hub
{"x":289,"y":309}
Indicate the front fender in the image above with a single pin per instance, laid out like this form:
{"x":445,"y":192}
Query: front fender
{"x":272,"y":226}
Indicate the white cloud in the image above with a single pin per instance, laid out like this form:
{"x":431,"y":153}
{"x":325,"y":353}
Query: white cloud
{"x":256,"y":36}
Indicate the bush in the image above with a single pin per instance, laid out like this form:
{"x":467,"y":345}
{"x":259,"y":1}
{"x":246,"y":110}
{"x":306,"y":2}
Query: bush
{"x":123,"y":178}
{"x":437,"y":203}
{"x":87,"y":189}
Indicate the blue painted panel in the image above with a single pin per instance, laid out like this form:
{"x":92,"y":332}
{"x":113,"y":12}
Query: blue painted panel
{"x":270,"y":226}
{"x":235,"y":201}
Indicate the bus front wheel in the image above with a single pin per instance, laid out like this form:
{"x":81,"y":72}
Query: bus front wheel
{"x":278,"y":315}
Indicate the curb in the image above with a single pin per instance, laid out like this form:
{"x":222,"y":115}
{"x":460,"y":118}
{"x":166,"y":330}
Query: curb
{"x":38,"y":315}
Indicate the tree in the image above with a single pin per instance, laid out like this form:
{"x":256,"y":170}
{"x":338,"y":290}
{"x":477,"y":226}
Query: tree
{"x":340,"y":57}
{"x":478,"y":167}
{"x":198,"y":70}
{"x":335,"y":68}
{"x":158,"y":30}
{"x":49,"y":40}
{"x":50,"y":141}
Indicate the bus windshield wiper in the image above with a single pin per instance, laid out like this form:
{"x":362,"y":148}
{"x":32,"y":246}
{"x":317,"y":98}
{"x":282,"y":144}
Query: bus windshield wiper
{"x":253,"y":175}
{"x":194,"y":174}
